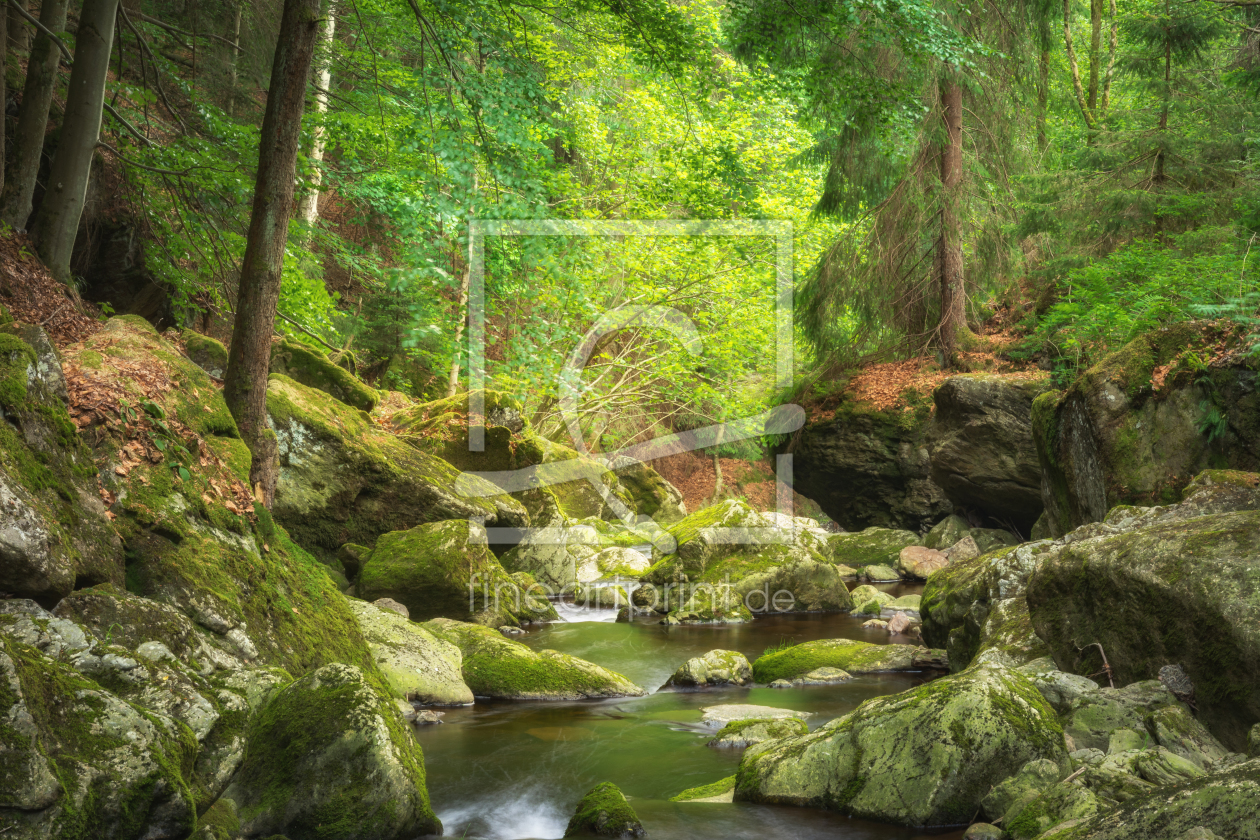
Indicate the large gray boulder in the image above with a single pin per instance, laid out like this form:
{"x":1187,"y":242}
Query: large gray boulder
{"x":982,"y":450}
{"x":330,"y":757}
{"x":715,"y":668}
{"x":926,"y":756}
{"x":866,"y":467}
{"x":416,"y":664}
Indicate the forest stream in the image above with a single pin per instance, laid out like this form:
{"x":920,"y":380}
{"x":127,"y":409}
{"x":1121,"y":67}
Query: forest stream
{"x":509,"y":770}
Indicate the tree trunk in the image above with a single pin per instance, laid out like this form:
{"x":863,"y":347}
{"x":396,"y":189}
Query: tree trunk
{"x":57,"y":222}
{"x":1074,"y":68}
{"x":4,"y":89}
{"x":233,"y":59}
{"x":1160,"y":175}
{"x":245,"y":381}
{"x":1095,"y":51}
{"x":28,"y":139}
{"x":949,"y":247}
{"x":19,"y":31}
{"x":1043,"y":78}
{"x":308,"y":207}
{"x":452,"y":382}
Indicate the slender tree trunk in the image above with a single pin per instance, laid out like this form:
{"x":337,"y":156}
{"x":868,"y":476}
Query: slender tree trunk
{"x":19,"y":31}
{"x":1112,"y":44}
{"x":57,"y":221}
{"x":1095,"y":51}
{"x":1074,"y":67}
{"x":4,"y":89}
{"x":949,"y":247}
{"x":233,"y":59}
{"x":1160,"y":175}
{"x":308,"y":207}
{"x":452,"y":381}
{"x":245,"y":381}
{"x":28,"y":139}
{"x":1043,"y":77}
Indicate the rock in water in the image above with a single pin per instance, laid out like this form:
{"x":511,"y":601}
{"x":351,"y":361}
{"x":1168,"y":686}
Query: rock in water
{"x":919,"y":561}
{"x":497,"y":667}
{"x":947,"y":532}
{"x":329,"y":757}
{"x":719,"y":716}
{"x":923,"y":757}
{"x":604,"y":812}
{"x":845,"y":654}
{"x":744,"y":733}
{"x":717,"y":667}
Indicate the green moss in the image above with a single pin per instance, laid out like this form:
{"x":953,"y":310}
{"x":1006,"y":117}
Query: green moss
{"x":312,"y":368}
{"x":845,"y":654}
{"x":708,"y":791}
{"x":604,"y":812}
{"x":16,"y":357}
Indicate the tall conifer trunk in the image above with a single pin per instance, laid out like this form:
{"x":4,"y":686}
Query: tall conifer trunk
{"x":245,"y":381}
{"x":949,"y":267}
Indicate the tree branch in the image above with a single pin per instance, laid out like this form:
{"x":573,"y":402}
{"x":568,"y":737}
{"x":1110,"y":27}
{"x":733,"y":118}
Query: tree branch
{"x":177,"y":31}
{"x":14,"y":4}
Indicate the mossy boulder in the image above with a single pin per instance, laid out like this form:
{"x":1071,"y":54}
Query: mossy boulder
{"x":1177,"y":591}
{"x":947,"y":532}
{"x":343,"y":479}
{"x":498,"y":667}
{"x":604,"y":812}
{"x":845,"y":654}
{"x":739,"y":734}
{"x":1113,"y":438}
{"x":82,"y":763}
{"x":311,"y":367}
{"x":446,"y":570}
{"x":1220,"y":804}
{"x":331,"y":757}
{"x":873,"y":546}
{"x":206,"y":353}
{"x":649,"y":493}
{"x":722,"y":790}
{"x":868,"y":600}
{"x":715,"y":668}
{"x":926,"y":756}
{"x":981,"y":446}
{"x":866,"y":467}
{"x":198,"y":544}
{"x":414,"y":663}
{"x":54,"y":533}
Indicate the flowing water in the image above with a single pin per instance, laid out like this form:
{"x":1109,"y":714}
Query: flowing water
{"x":507,"y":770}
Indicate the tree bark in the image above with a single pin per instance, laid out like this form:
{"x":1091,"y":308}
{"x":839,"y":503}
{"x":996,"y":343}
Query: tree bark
{"x":461,"y":306}
{"x":1160,"y":175}
{"x":233,"y":59}
{"x":19,"y":32}
{"x":4,"y":89}
{"x":28,"y":139}
{"x":1095,"y":51}
{"x":949,"y":268}
{"x":1043,"y":77}
{"x":245,"y":381}
{"x":308,"y":208}
{"x":57,"y":221}
{"x":1074,"y":68}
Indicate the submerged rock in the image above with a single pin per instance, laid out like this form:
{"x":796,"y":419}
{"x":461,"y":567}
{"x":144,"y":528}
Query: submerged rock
{"x":720,"y":716}
{"x":604,"y":812}
{"x":416,"y":664}
{"x":494,"y":666}
{"x":722,"y":790}
{"x":922,"y":757}
{"x":717,"y":667}
{"x":331,"y":757}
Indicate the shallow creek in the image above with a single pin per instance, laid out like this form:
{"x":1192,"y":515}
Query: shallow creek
{"x":508,"y":770}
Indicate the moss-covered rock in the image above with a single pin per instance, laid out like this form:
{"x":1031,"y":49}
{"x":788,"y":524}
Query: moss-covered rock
{"x":739,"y":734}
{"x":415,"y":664}
{"x":926,"y":756}
{"x":722,"y":790}
{"x":649,"y":493}
{"x":845,"y":654}
{"x":1222,"y":803}
{"x":867,"y":600}
{"x":446,"y":570}
{"x":54,"y":534}
{"x":117,"y":770}
{"x":343,"y":479}
{"x":604,"y":812}
{"x":1172,"y":592}
{"x":1113,"y":439}
{"x":981,"y":445}
{"x":309,"y":366}
{"x":331,"y":757}
{"x":206,"y":353}
{"x":498,"y":667}
{"x":717,"y":667}
{"x":945,"y":533}
{"x":874,"y":546}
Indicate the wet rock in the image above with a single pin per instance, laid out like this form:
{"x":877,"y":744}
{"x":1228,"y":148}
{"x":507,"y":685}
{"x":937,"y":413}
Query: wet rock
{"x":822,"y":676}
{"x":983,"y":831}
{"x":868,"y":600}
{"x":719,"y":716}
{"x":919,"y":561}
{"x":604,"y":812}
{"x":982,"y":449}
{"x":497,"y":667}
{"x":880,"y":573}
{"x":428,"y":717}
{"x":901,"y":623}
{"x":935,"y":750}
{"x":416,"y":664}
{"x":722,"y":790}
{"x":875,"y":624}
{"x":739,"y":734}
{"x":329,"y":741}
{"x":717,"y":667}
